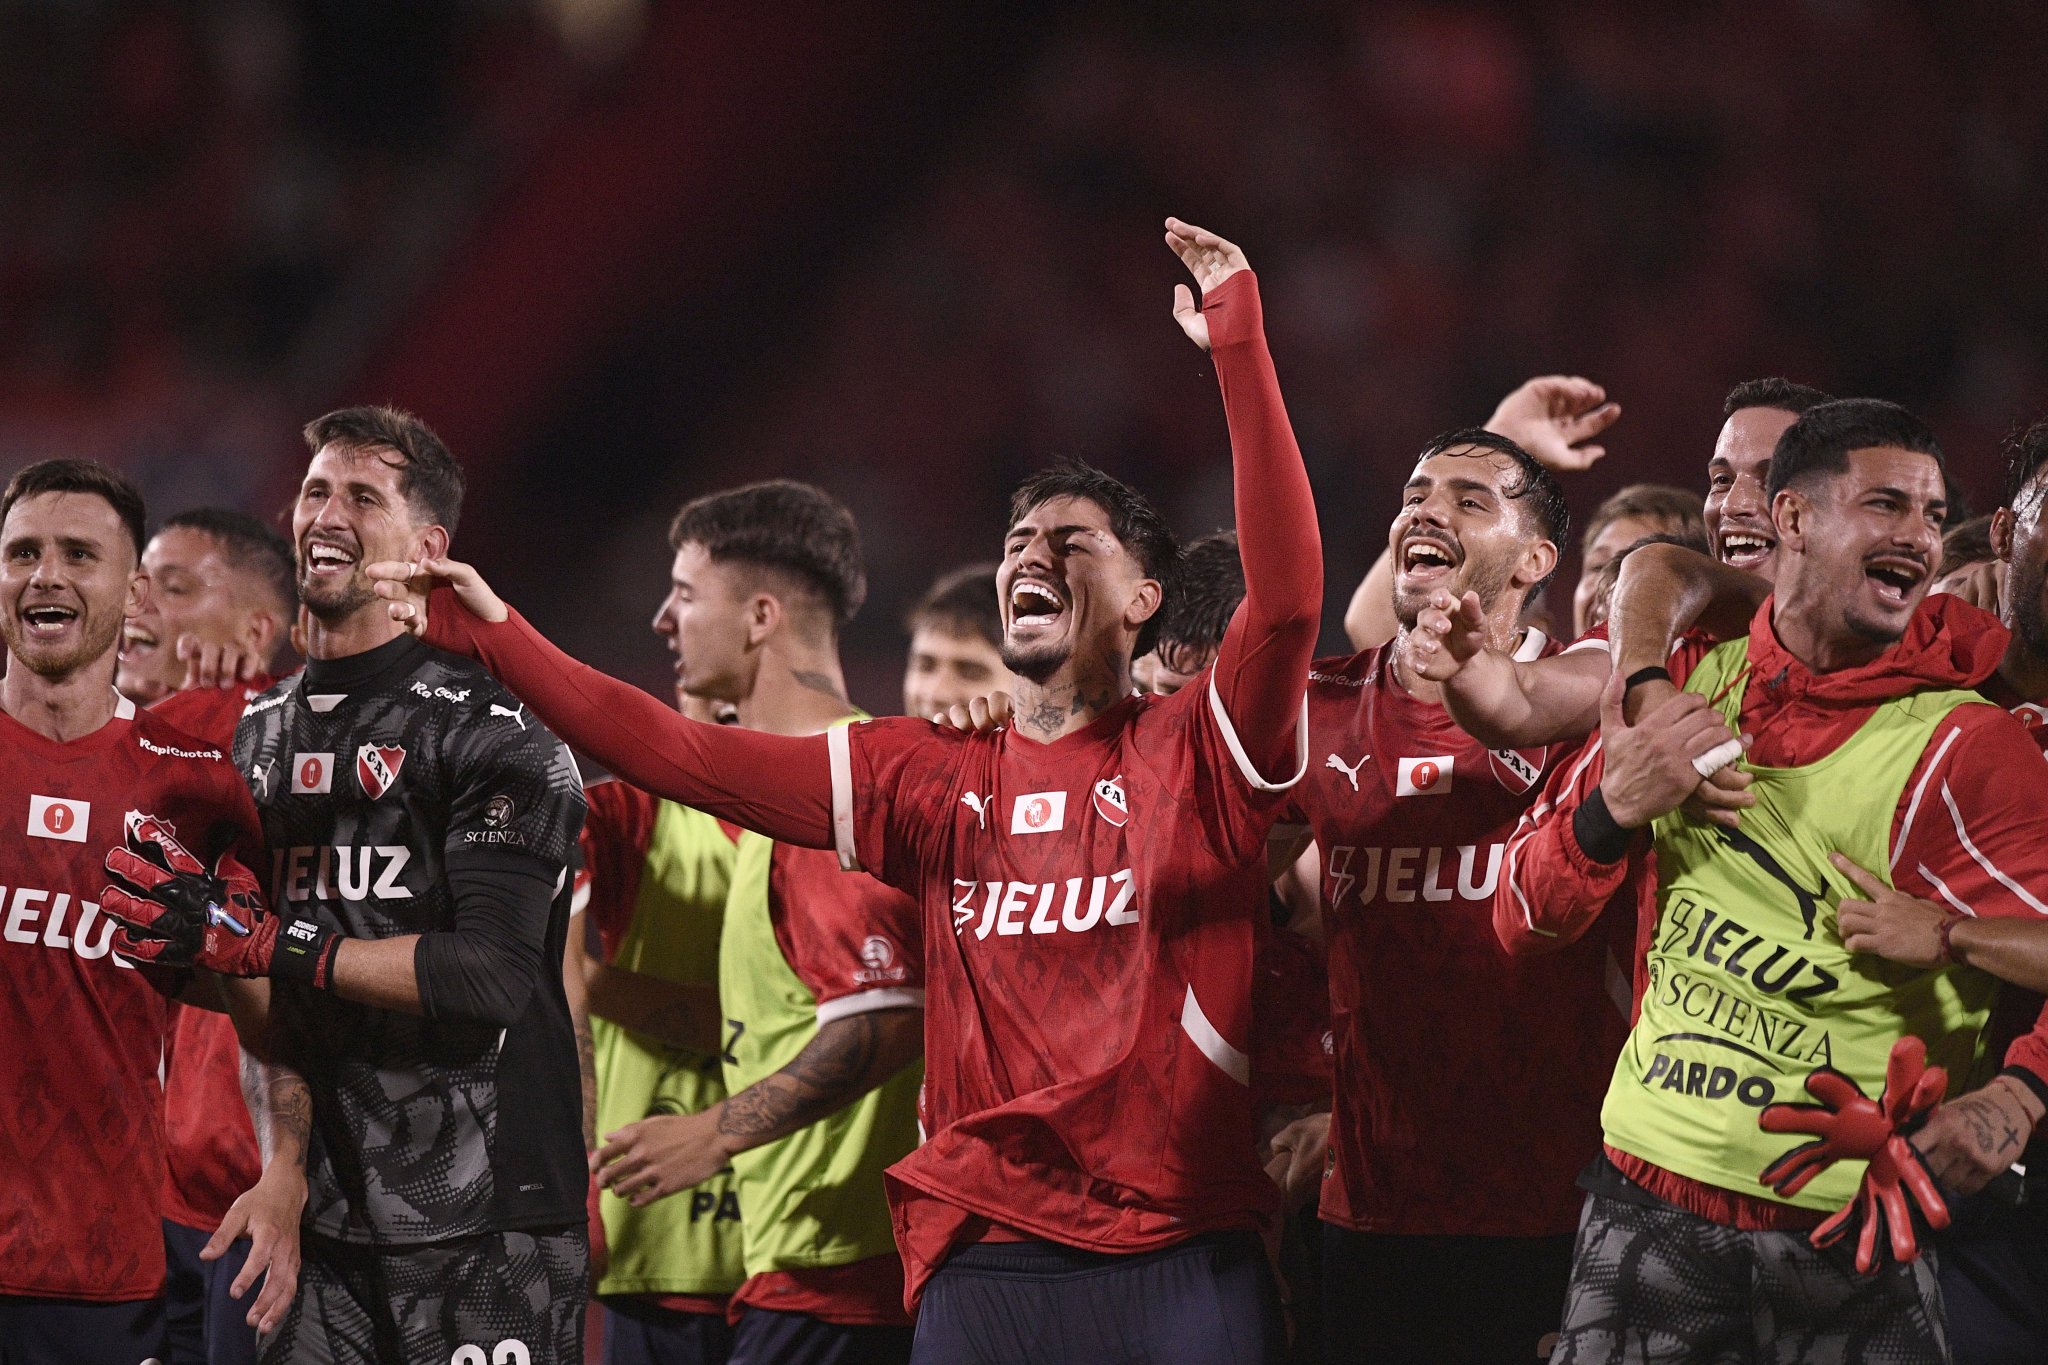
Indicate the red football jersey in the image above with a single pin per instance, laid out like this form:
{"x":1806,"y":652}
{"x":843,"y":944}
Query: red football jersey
{"x":1089,"y":910}
{"x":1444,"y":1043}
{"x":210,"y":1155}
{"x":81,"y":1147}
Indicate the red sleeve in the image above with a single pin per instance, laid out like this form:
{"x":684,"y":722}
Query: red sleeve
{"x":1262,"y":668}
{"x":1291,"y":1059}
{"x":853,"y":941}
{"x":1971,"y":830}
{"x":897,"y":780}
{"x":614,"y":844}
{"x":1550,"y":893}
{"x":2029,"y":1051}
{"x":779,"y":785}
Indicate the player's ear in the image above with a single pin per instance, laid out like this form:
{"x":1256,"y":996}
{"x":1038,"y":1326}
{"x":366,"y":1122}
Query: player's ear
{"x":764,"y":616}
{"x":1537,"y":562}
{"x":259,"y":631}
{"x":1144,"y":602}
{"x":138,"y":594}
{"x":434,"y":543}
{"x":2003,"y":523}
{"x":1788,"y":517}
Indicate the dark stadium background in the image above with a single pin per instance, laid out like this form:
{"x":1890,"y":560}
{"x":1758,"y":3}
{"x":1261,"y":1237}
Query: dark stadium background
{"x":620,"y":253}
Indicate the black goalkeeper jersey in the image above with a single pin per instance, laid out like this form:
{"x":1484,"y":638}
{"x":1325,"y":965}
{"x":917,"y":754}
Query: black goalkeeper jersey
{"x":373,"y":774}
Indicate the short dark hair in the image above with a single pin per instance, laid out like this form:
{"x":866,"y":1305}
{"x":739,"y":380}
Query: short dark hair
{"x":80,"y":476}
{"x":1820,"y":441}
{"x":1676,"y":510}
{"x":1538,"y":492}
{"x":428,"y":478}
{"x":1132,"y":520}
{"x":963,"y":603}
{"x":2026,"y":450}
{"x":781,"y":525}
{"x":1207,"y":589}
{"x":250,"y":547}
{"x":1782,"y":394}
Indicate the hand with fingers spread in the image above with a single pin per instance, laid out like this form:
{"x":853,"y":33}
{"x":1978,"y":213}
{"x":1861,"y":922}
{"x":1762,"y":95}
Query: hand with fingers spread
{"x":1651,"y":765}
{"x":978,"y":716}
{"x":405,"y":584}
{"x":1848,"y":1125}
{"x":1447,"y":633}
{"x":1211,"y":260}
{"x":655,"y":1157}
{"x":212,"y":663}
{"x":1556,"y":418}
{"x":268,"y":1215}
{"x":1889,"y":922}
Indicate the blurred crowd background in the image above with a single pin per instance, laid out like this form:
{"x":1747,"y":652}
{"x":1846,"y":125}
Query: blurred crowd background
{"x":624,"y":251}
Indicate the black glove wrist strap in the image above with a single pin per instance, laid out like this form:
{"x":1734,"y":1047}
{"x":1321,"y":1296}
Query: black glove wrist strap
{"x":304,"y":952}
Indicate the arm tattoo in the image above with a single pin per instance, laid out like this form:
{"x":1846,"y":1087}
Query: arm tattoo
{"x":843,"y":1062}
{"x":282,"y":1104}
{"x":586,"y":1063}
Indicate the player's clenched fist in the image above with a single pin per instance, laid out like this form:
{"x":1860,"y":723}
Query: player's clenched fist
{"x":173,"y":909}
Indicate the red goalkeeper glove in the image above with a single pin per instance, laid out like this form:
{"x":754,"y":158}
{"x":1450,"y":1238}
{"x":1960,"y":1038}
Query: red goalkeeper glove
{"x":1849,"y":1126}
{"x":173,"y":910}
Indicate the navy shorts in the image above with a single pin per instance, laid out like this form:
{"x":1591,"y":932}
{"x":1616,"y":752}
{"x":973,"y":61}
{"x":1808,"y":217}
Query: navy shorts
{"x":204,"y":1325}
{"x":73,"y":1332}
{"x":637,"y":1332}
{"x":766,"y":1337}
{"x":1207,"y":1301}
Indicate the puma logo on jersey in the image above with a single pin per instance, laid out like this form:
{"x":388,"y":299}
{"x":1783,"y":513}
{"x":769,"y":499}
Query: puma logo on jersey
{"x":515,"y":714}
{"x":1009,"y":909}
{"x":977,"y":803}
{"x":348,"y":872}
{"x":1350,"y":770}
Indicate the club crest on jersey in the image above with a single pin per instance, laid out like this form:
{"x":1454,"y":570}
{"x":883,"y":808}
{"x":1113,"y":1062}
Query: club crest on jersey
{"x":312,"y":774}
{"x":55,"y":817}
{"x":1425,"y":776}
{"x":1517,"y":772}
{"x":1038,"y":813}
{"x":1110,"y":802}
{"x":377,"y":768}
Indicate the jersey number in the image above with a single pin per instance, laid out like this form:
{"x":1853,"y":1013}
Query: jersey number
{"x":739,"y":1026}
{"x":507,"y":1352}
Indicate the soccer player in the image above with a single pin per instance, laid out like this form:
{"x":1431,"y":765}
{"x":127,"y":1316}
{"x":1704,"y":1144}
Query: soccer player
{"x":219,"y":611}
{"x":420,"y":823}
{"x":1635,"y":512}
{"x":820,"y":974}
{"x":956,"y":643}
{"x":1206,"y":590}
{"x":1088,"y":877}
{"x":1557,"y":418}
{"x":1864,"y":745}
{"x":1443,"y":1241}
{"x":81,"y":1150}
{"x":1738,"y":507}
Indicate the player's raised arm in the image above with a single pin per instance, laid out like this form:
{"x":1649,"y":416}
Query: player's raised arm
{"x":1665,"y":590}
{"x":1262,"y":668}
{"x":779,"y":785}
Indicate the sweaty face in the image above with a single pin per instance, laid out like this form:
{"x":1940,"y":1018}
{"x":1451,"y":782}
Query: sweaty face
{"x":1067,"y":584}
{"x":2025,"y":599}
{"x":1870,"y":543}
{"x":1614,"y":537}
{"x":704,"y":620}
{"x":349,"y":515}
{"x":1459,"y":530}
{"x":1738,"y":510}
{"x":947,"y":669}
{"x":67,"y":579}
{"x":193,"y":590}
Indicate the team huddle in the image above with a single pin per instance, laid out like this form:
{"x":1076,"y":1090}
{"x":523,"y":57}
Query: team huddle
{"x":1668,"y":989}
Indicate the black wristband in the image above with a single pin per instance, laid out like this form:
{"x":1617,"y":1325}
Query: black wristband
{"x":304,"y":953}
{"x":1600,"y":839}
{"x":1643,"y":675}
{"x":2030,"y":1081}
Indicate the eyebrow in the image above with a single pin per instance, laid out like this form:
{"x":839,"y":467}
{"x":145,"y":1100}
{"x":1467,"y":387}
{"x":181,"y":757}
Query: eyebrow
{"x":63,"y":543}
{"x":1455,"y":484}
{"x":1019,"y":530}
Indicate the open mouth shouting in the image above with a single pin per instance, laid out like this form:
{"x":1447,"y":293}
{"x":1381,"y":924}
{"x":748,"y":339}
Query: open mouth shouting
{"x":137,"y":643}
{"x":327,"y":559}
{"x":48,"y":621}
{"x":1746,"y":549}
{"x":1427,"y":561}
{"x":1035,"y":604}
{"x":1894,"y":577}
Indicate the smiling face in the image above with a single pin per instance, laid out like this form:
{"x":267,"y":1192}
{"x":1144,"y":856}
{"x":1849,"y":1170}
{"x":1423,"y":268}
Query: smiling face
{"x":1459,"y":530}
{"x":349,"y":515}
{"x":1068,"y":585}
{"x":68,"y":577}
{"x":1738,"y":509}
{"x":1863,"y":544}
{"x":949,"y":669}
{"x":193,"y":590}
{"x":706,"y":621}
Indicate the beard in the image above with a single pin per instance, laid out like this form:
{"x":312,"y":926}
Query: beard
{"x":92,"y":642}
{"x":1488,"y":581}
{"x":1037,"y":663}
{"x":2023,"y":586}
{"x":332,"y":602}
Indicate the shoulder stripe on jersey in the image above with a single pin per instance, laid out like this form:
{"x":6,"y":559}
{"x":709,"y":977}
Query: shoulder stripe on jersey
{"x":882,"y":998}
{"x":1213,"y":1044}
{"x":2026,"y":897}
{"x":1951,"y":897}
{"x":124,"y":709}
{"x":839,"y":750}
{"x":1244,"y":762}
{"x":1913,"y":806}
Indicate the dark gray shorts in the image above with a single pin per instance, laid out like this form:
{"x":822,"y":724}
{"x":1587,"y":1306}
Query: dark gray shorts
{"x":500,"y":1298}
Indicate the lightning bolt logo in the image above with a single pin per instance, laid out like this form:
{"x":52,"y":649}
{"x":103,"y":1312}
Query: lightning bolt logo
{"x":1337,"y":873}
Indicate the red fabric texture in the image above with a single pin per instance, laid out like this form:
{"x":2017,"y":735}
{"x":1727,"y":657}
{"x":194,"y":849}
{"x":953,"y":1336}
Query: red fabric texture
{"x":866,"y":1293}
{"x":843,"y":935}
